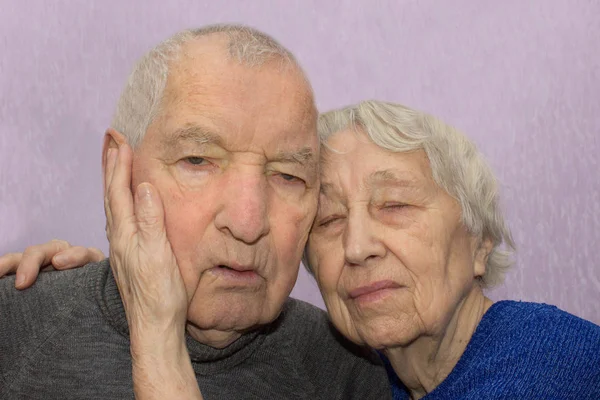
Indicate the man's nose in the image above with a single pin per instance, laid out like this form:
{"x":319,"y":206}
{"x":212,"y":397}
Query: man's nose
{"x":244,"y":212}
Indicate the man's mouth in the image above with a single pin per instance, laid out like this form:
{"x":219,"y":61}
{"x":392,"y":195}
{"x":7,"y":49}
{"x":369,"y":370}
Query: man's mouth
{"x":237,"y":274}
{"x":237,"y":267}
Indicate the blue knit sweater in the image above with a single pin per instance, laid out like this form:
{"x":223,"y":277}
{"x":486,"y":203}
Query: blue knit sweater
{"x":523,"y":351}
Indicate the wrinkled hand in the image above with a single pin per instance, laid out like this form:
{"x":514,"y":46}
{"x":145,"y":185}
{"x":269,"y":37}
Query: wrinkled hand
{"x":150,"y":284}
{"x":55,"y":254}
{"x":141,"y":258}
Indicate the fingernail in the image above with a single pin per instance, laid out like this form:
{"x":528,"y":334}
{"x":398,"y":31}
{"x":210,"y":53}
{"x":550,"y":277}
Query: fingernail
{"x":59,"y":260}
{"x":143,"y":193}
{"x":20,"y":279}
{"x":110,"y":155}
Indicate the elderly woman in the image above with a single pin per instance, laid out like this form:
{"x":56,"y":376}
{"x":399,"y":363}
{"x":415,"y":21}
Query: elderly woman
{"x":408,"y":235}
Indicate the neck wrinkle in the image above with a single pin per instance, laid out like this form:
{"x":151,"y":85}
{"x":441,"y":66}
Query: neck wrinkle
{"x":427,"y":361}
{"x":212,"y":338}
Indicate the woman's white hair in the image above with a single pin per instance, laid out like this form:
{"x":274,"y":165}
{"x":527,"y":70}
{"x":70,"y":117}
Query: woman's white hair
{"x":141,"y":99}
{"x":456,"y":165}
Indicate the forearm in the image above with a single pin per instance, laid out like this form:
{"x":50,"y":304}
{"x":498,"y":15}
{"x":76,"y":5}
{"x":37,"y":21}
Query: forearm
{"x":162,"y":369}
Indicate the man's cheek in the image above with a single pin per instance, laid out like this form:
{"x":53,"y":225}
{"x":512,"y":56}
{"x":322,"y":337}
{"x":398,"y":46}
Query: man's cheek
{"x":185,"y":239}
{"x":289,"y":243}
{"x":191,"y":279}
{"x":300,"y":222}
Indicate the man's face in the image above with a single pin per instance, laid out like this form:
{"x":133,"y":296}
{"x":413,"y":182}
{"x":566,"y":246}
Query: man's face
{"x":234,"y":157}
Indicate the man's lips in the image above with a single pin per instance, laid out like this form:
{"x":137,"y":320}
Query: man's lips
{"x":237,"y":273}
{"x":372,"y":288}
{"x":238,"y":267}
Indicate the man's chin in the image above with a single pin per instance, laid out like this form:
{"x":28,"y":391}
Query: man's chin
{"x":231,"y":312}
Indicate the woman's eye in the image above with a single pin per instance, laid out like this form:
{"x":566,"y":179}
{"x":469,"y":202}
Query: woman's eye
{"x":195,"y":160}
{"x":328,"y":221}
{"x":394,"y":206}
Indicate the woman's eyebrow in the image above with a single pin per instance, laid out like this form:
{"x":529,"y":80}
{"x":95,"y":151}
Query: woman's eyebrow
{"x":393,"y":177}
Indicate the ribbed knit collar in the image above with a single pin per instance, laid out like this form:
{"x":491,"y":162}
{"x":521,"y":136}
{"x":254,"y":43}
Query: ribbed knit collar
{"x":205,"y":359}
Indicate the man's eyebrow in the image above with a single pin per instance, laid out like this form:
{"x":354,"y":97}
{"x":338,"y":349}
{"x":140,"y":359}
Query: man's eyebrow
{"x":195,"y":134}
{"x":304,"y":157}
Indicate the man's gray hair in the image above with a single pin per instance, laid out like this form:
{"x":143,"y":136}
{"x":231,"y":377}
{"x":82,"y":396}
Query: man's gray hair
{"x":141,"y":99}
{"x":456,"y":165}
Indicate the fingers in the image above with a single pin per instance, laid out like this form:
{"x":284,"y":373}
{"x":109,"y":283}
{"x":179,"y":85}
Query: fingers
{"x":76,"y":256}
{"x":111,"y":159}
{"x":118,"y":200}
{"x":96,"y":255}
{"x":55,"y":253}
{"x":35,"y":258}
{"x":149,"y":215}
{"x":9,"y":263}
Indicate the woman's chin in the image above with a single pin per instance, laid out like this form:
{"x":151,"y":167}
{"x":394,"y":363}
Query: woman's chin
{"x":388,"y":335}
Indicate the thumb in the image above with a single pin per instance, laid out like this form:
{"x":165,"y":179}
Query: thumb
{"x":149,"y":214}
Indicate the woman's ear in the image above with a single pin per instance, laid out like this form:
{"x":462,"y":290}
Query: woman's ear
{"x":481,"y":257}
{"x":112,"y":140}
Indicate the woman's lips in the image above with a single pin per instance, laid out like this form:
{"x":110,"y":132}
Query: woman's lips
{"x":373,"y":291}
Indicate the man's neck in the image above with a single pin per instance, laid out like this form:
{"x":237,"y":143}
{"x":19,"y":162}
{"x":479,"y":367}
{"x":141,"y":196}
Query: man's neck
{"x":213,"y":338}
{"x":426,"y":362}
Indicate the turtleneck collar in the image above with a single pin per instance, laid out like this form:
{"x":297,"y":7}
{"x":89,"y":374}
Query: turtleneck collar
{"x":205,"y":359}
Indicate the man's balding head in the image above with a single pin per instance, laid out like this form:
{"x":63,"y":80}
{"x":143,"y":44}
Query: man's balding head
{"x":142,"y":97}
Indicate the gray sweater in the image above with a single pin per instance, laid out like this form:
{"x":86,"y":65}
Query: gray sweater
{"x":67,"y":338}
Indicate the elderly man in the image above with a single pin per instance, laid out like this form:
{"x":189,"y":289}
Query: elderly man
{"x":222,"y":127}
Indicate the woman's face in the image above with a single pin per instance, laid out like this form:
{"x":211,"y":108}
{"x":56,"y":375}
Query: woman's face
{"x":389,"y":252}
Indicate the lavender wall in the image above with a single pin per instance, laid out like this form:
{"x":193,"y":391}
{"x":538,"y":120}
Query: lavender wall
{"x":522,"y":78}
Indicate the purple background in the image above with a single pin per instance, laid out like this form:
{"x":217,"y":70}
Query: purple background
{"x":522,"y":78}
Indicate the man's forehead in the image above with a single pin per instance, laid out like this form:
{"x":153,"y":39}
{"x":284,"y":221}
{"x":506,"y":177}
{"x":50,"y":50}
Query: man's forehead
{"x":238,"y":97}
{"x":211,"y":98}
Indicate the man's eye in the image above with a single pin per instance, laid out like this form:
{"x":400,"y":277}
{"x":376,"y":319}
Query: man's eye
{"x":195,"y":160}
{"x":290,"y":178}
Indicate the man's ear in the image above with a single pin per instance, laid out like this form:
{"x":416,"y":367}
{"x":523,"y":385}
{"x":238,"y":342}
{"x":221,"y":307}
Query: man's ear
{"x":112,"y":140}
{"x":481,"y":257}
